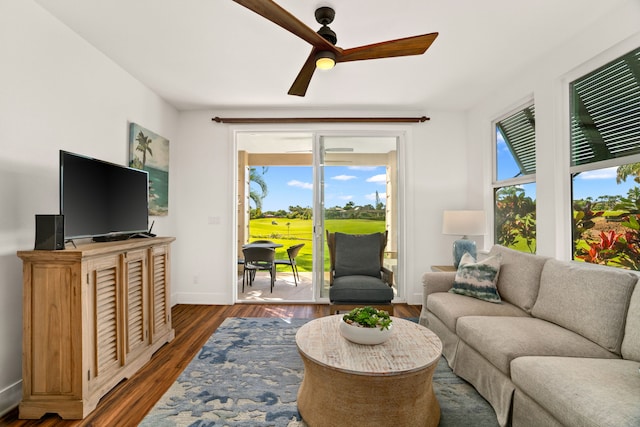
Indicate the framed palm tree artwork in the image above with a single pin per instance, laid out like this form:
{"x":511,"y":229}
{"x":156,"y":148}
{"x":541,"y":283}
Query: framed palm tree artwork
{"x":149,"y":151}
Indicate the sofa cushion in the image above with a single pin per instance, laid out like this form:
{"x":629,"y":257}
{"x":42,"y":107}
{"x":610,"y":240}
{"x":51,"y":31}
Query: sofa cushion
{"x":581,"y":391}
{"x":631,"y":342}
{"x":477,"y":279}
{"x":589,"y":299}
{"x":449,"y":307}
{"x":358,"y":254}
{"x":519,"y":276}
{"x":502,"y":339}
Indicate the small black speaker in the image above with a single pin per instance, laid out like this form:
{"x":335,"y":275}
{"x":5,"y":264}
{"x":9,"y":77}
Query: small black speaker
{"x":49,"y":232}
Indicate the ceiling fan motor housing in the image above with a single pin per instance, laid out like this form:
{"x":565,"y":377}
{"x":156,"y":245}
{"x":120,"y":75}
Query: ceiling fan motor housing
{"x":325,"y":15}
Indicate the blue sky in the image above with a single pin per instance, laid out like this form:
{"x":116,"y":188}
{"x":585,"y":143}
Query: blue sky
{"x":601,"y":182}
{"x":293,"y":185}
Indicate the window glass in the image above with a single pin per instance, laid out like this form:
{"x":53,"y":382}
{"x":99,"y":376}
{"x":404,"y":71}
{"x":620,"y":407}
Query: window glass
{"x":515,"y":217}
{"x":606,"y":211}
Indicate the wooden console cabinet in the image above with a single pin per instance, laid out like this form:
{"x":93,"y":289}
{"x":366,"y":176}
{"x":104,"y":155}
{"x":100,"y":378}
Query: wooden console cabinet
{"x":92,"y":316}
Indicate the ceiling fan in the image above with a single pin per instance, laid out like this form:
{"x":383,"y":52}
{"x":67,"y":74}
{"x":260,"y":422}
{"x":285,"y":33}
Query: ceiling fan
{"x":324,"y":52}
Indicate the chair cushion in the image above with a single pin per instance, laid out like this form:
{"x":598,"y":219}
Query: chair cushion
{"x":361,"y":289}
{"x":477,"y":279}
{"x":358,"y":254}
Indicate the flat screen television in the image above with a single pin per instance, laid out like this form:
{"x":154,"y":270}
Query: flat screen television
{"x":102,"y":200}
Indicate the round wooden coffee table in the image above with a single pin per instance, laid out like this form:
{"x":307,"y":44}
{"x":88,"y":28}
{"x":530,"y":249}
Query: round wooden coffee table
{"x":352,"y":384}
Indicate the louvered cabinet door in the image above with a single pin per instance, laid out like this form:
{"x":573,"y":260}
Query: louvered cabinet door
{"x":136,"y":305}
{"x":104,"y":328}
{"x":160,"y":304}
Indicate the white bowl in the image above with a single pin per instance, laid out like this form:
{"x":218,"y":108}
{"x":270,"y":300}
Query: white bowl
{"x":369,"y":336}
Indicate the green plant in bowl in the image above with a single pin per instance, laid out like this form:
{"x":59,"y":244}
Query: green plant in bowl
{"x":368,"y":317}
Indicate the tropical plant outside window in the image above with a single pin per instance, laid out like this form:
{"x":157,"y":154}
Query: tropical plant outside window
{"x":514,"y":180}
{"x":605,"y":164}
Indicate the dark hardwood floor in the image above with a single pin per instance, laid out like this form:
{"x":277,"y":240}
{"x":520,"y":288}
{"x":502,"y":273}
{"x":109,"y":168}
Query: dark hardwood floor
{"x":128,"y":403}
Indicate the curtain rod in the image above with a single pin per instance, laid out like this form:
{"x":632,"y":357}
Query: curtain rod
{"x":322,"y":120}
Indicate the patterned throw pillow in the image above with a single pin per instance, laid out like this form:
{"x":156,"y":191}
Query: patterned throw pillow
{"x":478,"y":279}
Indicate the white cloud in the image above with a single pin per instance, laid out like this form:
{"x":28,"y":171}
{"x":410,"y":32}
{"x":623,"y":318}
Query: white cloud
{"x":345,"y":197}
{"x":343,"y":177}
{"x":608,"y":173}
{"x":378,"y":179}
{"x":501,"y":144}
{"x":372,"y":196}
{"x":300,"y":184}
{"x":362,"y":168}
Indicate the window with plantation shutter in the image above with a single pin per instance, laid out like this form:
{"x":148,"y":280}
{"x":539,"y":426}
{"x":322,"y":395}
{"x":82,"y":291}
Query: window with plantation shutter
{"x":514,"y":185}
{"x":605,"y":163}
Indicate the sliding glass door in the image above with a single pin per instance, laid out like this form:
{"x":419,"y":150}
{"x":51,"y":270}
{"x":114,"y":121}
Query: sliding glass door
{"x":293,"y":186}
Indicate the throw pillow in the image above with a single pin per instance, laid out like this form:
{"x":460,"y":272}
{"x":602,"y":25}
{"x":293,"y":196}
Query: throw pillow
{"x":478,"y":279}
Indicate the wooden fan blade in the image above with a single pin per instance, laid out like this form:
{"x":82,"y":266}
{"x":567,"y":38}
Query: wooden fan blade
{"x":301,"y":83}
{"x":416,"y":45}
{"x":274,"y":13}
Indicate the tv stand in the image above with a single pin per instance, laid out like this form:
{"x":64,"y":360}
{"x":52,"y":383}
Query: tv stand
{"x":92,"y":316}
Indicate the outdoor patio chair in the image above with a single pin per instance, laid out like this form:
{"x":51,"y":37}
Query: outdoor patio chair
{"x":292,"y":253}
{"x":357,"y":277}
{"x":256,"y":259}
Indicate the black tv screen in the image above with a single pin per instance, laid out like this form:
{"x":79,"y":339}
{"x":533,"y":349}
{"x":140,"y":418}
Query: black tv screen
{"x":99,"y":198}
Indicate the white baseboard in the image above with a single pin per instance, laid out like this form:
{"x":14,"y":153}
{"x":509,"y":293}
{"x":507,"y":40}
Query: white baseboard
{"x":10,"y":397}
{"x":201,"y":298}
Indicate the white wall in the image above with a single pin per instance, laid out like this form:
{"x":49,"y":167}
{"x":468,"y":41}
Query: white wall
{"x":546,"y":81}
{"x":56,"y":92}
{"x":436,"y":179}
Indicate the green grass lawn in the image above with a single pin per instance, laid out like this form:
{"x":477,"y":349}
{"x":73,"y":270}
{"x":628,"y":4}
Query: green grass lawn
{"x":289,"y":232}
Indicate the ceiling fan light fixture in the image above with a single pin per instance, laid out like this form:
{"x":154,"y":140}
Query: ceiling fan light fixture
{"x":325,"y":60}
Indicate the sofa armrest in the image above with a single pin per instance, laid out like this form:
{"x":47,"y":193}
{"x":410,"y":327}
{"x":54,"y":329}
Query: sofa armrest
{"x":437,"y":282}
{"x":433,"y":282}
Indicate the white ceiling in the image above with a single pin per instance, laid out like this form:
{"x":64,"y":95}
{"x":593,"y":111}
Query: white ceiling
{"x":202,"y":54}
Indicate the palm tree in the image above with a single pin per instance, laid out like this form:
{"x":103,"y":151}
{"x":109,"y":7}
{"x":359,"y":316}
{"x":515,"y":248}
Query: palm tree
{"x":144,"y":143}
{"x":257,"y":197}
{"x":625,"y":170}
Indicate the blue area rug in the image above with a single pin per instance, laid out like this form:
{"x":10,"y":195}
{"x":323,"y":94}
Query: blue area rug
{"x":248,"y":374}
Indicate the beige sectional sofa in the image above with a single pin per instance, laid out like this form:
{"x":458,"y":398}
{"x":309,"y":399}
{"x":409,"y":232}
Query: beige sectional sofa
{"x":562,"y":348}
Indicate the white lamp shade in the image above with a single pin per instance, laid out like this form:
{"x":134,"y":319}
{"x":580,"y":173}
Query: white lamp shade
{"x":464,"y":223}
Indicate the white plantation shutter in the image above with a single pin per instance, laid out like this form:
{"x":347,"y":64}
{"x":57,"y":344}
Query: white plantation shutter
{"x":605,"y":112}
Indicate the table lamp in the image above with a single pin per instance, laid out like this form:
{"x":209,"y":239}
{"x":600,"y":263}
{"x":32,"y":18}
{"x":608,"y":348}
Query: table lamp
{"x":463,"y":223}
